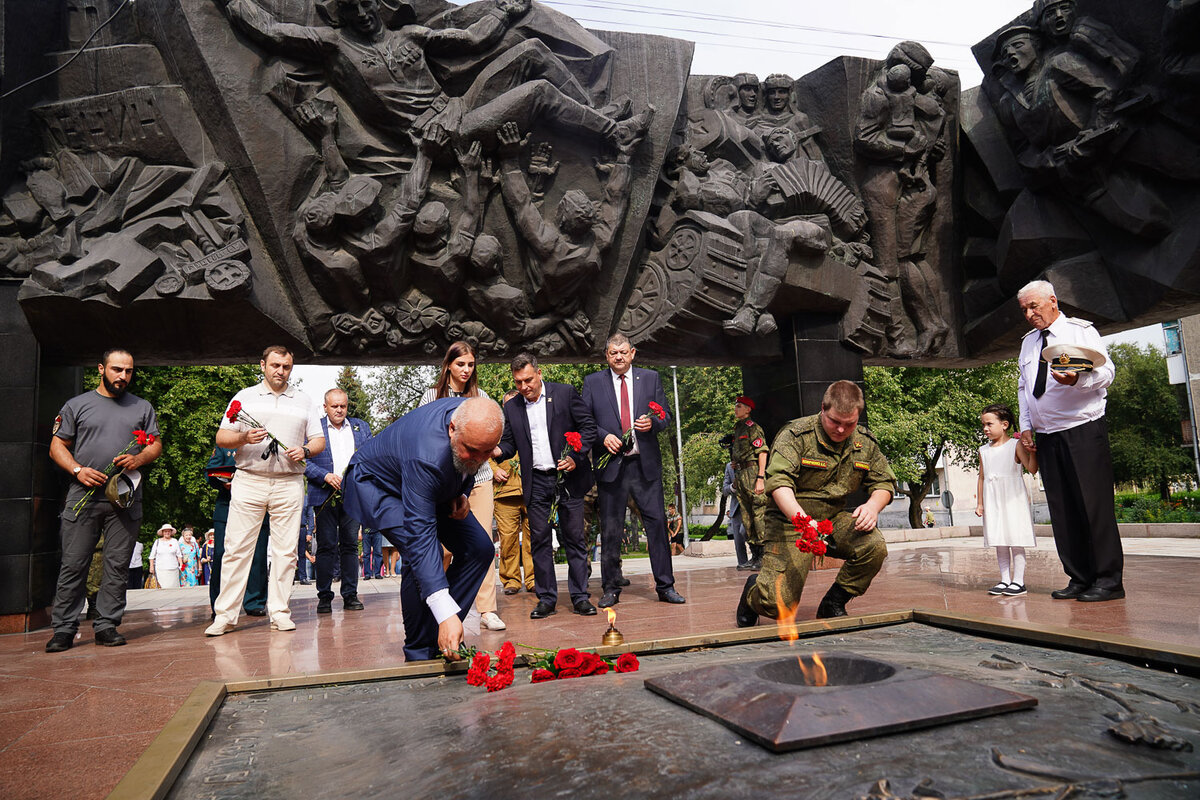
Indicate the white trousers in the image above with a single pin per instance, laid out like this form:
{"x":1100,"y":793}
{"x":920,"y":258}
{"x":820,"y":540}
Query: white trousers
{"x":251,"y":498}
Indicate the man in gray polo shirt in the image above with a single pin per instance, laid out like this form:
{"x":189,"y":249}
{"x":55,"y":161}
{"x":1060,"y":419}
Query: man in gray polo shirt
{"x":269,"y":480}
{"x":93,"y":433}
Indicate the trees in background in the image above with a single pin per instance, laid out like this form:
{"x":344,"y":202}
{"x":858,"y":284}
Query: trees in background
{"x":919,"y":414}
{"x":359,"y":401}
{"x":1144,"y":417}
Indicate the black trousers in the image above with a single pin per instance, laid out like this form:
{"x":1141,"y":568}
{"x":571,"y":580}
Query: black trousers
{"x":612,"y":502}
{"x":570,"y":536}
{"x":337,"y":545}
{"x":1076,"y":466}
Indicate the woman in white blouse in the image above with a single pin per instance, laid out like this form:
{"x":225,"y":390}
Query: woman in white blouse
{"x":166,"y":559}
{"x":458,"y":379}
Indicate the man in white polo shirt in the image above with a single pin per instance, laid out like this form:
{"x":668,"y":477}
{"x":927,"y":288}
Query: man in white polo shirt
{"x":269,"y":480}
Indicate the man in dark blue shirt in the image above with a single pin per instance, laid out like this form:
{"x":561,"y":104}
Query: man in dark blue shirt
{"x":411,"y":483}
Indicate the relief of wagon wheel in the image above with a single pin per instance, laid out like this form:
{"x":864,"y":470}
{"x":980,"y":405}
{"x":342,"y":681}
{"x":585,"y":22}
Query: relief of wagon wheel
{"x":649,"y":304}
{"x":683,"y":247}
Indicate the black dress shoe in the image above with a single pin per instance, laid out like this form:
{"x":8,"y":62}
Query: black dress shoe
{"x":745,"y":616}
{"x":542,"y":610}
{"x":622,"y":582}
{"x":1072,"y":591}
{"x":1098,"y":594}
{"x":584,"y":608}
{"x":109,"y":637}
{"x":352,"y":603}
{"x":304,"y":582}
{"x":256,"y":612}
{"x":609,"y":599}
{"x":60,"y":642}
{"x":671,"y":596}
{"x":324,"y":606}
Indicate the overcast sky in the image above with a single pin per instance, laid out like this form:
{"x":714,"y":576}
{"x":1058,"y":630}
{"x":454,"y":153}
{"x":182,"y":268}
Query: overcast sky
{"x":796,"y":37}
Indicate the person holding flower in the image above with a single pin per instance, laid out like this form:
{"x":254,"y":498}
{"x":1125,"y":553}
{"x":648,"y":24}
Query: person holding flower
{"x":551,"y":429}
{"x":815,"y":464}
{"x":98,"y":436}
{"x":274,"y":427}
{"x":629,"y":407}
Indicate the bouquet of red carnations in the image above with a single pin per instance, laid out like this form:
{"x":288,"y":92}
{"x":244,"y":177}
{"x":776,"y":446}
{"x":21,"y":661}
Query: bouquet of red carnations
{"x":627,"y":437}
{"x":567,"y":662}
{"x":574,"y":442}
{"x":814,"y":536}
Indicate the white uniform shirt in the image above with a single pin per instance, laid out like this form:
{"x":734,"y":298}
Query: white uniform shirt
{"x":633,"y":415}
{"x":341,"y":446}
{"x":539,"y":432}
{"x":290,"y":416}
{"x":135,"y":560}
{"x":1062,"y":407}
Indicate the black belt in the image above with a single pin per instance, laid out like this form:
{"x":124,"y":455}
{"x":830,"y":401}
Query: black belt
{"x":545,"y":471}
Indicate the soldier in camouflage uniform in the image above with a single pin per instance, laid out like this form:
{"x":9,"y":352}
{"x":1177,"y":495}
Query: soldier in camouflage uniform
{"x":815,"y":464}
{"x":749,"y":455}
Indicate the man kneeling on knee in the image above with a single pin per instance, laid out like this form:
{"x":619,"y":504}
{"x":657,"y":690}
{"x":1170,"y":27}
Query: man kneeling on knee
{"x":816,"y":463}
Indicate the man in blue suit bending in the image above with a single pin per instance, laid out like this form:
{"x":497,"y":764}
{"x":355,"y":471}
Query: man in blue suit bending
{"x":626,"y":402}
{"x":411,"y":484}
{"x":337,"y":531}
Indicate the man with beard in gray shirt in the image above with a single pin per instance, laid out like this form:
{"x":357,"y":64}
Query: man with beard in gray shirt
{"x":92,"y":434}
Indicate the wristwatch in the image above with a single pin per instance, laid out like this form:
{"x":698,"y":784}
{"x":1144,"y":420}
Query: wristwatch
{"x":307,"y":454}
{"x":77,"y":470}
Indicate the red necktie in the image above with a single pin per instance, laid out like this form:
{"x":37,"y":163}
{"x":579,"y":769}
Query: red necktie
{"x":626,"y":419}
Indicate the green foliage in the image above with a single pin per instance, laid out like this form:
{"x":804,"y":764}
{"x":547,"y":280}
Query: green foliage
{"x":1183,"y":507}
{"x":706,"y":396}
{"x":703,"y":466}
{"x":395,"y":391}
{"x":916,"y":414}
{"x":1144,"y":420}
{"x":189,"y":402}
{"x":359,"y":400}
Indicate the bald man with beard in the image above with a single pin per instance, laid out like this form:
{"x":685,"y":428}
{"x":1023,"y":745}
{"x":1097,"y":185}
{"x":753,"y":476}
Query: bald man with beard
{"x":411,"y":483}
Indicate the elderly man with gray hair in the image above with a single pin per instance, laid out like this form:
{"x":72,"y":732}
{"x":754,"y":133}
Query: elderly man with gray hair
{"x":411,"y":483}
{"x":1064,"y":408}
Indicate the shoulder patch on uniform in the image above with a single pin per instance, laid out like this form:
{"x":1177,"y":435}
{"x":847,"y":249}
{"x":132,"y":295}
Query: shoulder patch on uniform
{"x":862,"y":465}
{"x":57,"y":425}
{"x":816,"y":463}
{"x":748,"y":422}
{"x":1083,"y":323}
{"x":757,"y":442}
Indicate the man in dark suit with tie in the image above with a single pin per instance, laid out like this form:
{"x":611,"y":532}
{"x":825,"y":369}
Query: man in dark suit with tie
{"x":620,"y":399}
{"x":411,"y":483}
{"x":337,"y":531}
{"x":536,"y":430}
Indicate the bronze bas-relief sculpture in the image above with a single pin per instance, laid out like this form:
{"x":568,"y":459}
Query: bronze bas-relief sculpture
{"x":371,"y":179}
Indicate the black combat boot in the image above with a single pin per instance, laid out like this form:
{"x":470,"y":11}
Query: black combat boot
{"x":746,"y":616}
{"x":833,"y":604}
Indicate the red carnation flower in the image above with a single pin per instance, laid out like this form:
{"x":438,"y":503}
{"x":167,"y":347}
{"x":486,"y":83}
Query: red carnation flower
{"x":568,"y":658}
{"x":563,"y":674}
{"x":140,"y":437}
{"x":825,"y":528}
{"x":657,"y":410}
{"x":235,"y":408}
{"x":475,"y":677}
{"x":574,"y":440}
{"x":627,"y":662}
{"x":541,"y":676}
{"x":150,"y":437}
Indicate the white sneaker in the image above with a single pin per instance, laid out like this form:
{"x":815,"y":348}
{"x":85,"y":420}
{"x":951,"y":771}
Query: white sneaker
{"x":282,"y":622}
{"x":219,"y":627}
{"x":492,"y":622}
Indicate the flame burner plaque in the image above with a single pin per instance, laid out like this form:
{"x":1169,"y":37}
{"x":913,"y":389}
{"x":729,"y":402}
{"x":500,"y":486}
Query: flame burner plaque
{"x":772,"y":704}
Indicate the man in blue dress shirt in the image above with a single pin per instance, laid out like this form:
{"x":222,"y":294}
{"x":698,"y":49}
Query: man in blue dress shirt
{"x":411,"y":483}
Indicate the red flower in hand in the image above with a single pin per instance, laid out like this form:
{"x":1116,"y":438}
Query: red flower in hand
{"x":627,"y":662}
{"x":541,"y":676}
{"x":657,"y":410}
{"x":574,"y":440}
{"x":141,"y":438}
{"x":568,"y":658}
{"x":235,"y":408}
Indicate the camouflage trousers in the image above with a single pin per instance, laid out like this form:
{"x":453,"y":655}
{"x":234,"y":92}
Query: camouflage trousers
{"x":785,"y":569}
{"x":751,"y":506}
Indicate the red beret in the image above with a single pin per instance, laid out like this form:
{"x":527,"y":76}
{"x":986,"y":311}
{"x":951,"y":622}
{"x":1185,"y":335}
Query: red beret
{"x":746,"y":401}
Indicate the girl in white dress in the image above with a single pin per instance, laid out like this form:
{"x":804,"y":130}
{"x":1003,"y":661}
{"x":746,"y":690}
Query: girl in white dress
{"x":1002,"y":500}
